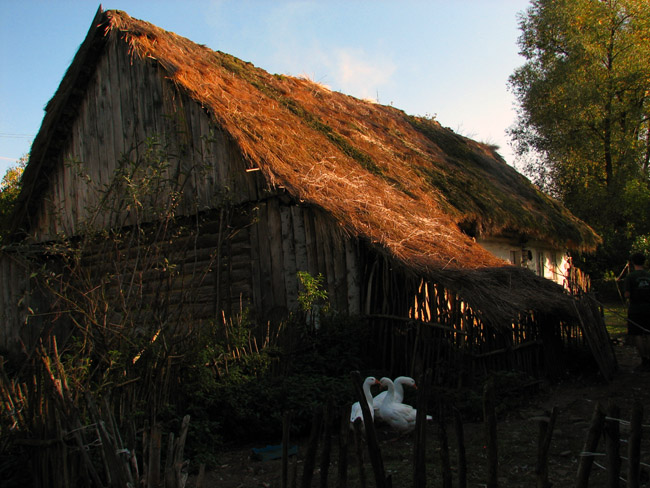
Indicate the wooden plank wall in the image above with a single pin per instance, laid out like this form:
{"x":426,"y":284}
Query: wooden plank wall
{"x":273,"y":240}
{"x":129,"y":102}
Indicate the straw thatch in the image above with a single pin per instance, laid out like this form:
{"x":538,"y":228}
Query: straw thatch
{"x":405,"y":183}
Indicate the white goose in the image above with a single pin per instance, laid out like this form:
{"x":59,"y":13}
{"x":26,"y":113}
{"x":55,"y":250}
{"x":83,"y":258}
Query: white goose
{"x":399,"y":416}
{"x":356,"y":411}
{"x":398,"y":393}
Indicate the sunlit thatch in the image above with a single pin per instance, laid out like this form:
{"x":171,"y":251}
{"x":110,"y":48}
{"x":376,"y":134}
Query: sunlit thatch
{"x":405,"y":183}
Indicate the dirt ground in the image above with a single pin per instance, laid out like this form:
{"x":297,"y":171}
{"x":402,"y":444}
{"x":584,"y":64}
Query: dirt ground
{"x":517,"y":431}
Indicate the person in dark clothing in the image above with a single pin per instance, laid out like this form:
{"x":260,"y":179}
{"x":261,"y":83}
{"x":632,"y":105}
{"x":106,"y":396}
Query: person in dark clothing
{"x":637,"y":292}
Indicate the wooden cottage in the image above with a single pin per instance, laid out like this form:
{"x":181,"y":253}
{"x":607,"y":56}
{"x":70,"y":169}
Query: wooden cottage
{"x":264,"y":176}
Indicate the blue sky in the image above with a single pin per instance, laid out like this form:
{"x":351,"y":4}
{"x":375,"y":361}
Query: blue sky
{"x":450,"y":59}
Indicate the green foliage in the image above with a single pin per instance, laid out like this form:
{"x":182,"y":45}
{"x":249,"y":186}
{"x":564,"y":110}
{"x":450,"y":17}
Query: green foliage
{"x":9,"y":190}
{"x":584,"y":111}
{"x":314,"y":370}
{"x":312,"y":292}
{"x":312,"y":297}
{"x":642,"y":244}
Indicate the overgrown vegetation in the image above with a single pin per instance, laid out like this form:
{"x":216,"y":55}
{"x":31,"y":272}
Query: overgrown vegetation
{"x":133,"y":337}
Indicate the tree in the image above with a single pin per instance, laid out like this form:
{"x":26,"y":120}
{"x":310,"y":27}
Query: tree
{"x":9,"y":190}
{"x":584,"y":109}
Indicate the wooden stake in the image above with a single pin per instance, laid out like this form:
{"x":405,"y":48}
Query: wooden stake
{"x":419,"y":448}
{"x":546,"y":427}
{"x":444,"y":454}
{"x":312,"y":447}
{"x":613,"y":444}
{"x":634,"y":445}
{"x":286,"y":426}
{"x":201,"y":476}
{"x":344,"y":437}
{"x":358,"y":436}
{"x":490,"y":419}
{"x":462,"y":458}
{"x":327,"y":445}
{"x":590,"y":446}
{"x":179,"y":453}
{"x":155,"y":443}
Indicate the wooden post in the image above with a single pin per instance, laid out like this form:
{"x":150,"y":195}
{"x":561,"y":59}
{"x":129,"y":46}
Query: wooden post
{"x":490,"y":419}
{"x":286,"y":425}
{"x":179,"y":453}
{"x":169,"y":462}
{"x":371,"y":435}
{"x":444,"y":453}
{"x":200,"y":478}
{"x":419,"y":454}
{"x":546,"y":427}
{"x":590,"y":446}
{"x":327,"y":445}
{"x":153,"y":472}
{"x":634,"y":445}
{"x":613,"y":444}
{"x":344,"y":437}
{"x":462,"y":457}
{"x":146,"y":446}
{"x":312,"y":447}
{"x":358,"y":436}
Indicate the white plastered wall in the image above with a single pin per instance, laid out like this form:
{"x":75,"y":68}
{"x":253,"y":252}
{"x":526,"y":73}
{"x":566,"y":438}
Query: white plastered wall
{"x":551,"y":263}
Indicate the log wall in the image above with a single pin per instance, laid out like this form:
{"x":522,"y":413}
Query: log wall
{"x":225,"y":262}
{"x":23,"y":309}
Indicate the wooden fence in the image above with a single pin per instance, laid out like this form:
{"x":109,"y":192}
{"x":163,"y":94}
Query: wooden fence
{"x":460,"y":349}
{"x":604,"y":435}
{"x":93,"y":452}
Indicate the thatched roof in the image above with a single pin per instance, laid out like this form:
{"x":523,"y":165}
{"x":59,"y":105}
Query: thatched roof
{"x":406,"y":184}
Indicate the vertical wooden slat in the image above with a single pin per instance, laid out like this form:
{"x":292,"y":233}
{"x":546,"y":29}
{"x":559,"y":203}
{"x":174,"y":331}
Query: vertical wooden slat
{"x":328,"y":263}
{"x":116,"y":105}
{"x":289,"y":258}
{"x":102,"y":115}
{"x":267,"y":292}
{"x":341,"y":278}
{"x":353,"y":279}
{"x":310,"y":242}
{"x":299,"y":238}
{"x":274,"y":223}
{"x":94,"y":139}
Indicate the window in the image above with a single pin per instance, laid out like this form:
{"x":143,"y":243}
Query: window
{"x":515,"y":258}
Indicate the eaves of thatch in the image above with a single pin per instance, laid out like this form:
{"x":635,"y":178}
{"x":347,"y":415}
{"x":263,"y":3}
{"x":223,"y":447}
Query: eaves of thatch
{"x":405,"y":184}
